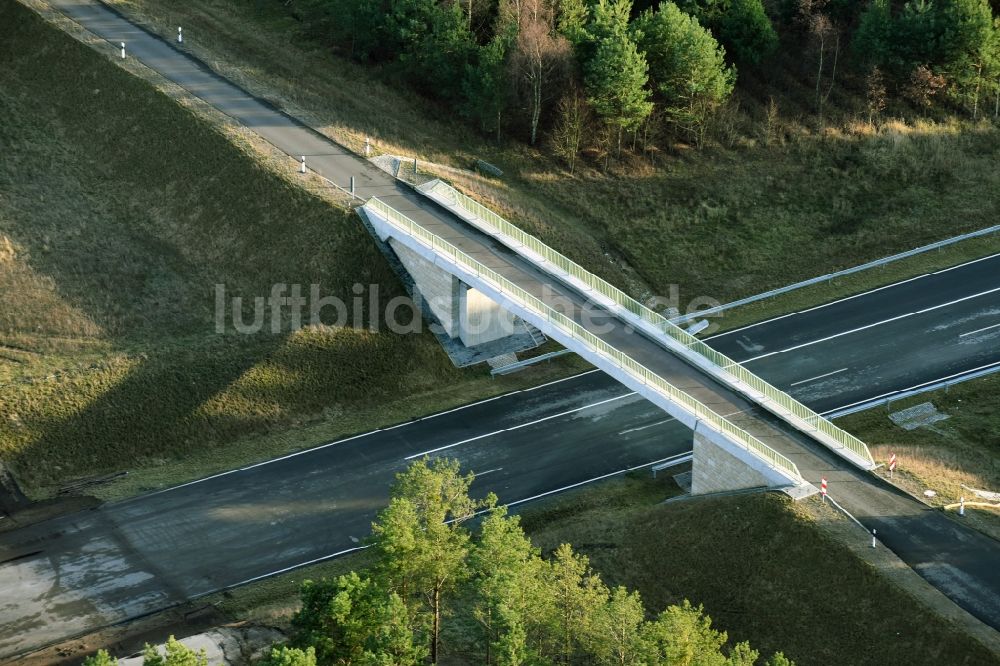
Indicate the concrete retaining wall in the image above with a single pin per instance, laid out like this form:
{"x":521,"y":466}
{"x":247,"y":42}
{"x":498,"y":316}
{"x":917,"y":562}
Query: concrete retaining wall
{"x":440,"y":290}
{"x":719,"y":465}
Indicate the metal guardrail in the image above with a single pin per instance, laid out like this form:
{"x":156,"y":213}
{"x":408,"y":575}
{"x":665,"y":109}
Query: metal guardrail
{"x":575,"y":331}
{"x":945,"y":384}
{"x":778,"y":397}
{"x":831,"y":276}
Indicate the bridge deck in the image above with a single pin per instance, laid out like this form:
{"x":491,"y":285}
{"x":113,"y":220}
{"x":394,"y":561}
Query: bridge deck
{"x":813,"y":461}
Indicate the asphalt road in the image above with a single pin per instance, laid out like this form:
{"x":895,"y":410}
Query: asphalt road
{"x":82,"y":571}
{"x":123,"y":560}
{"x":934,"y":326}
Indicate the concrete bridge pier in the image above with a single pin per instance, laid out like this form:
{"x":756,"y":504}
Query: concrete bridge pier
{"x":471,"y":327}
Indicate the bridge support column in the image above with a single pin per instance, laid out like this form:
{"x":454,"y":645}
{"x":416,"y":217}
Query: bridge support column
{"x":720,"y":465}
{"x":481,"y":319}
{"x":471,"y":327}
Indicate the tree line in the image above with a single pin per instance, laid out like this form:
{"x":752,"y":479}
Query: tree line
{"x":484,"y":596}
{"x":599,"y":71}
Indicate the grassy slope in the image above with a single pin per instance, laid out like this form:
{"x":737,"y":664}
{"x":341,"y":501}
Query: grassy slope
{"x":742,"y":557}
{"x":119,"y":212}
{"x":724,"y":223}
{"x":960,"y":450}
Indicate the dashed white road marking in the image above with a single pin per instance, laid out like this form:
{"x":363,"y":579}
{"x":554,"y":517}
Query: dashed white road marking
{"x":651,"y":425}
{"x":979,"y":330}
{"x":867,"y":326}
{"x":812,"y":379}
{"x":517,"y":427}
{"x":847,"y":298}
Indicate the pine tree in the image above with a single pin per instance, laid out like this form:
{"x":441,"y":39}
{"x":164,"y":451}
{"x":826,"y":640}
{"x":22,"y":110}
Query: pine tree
{"x":101,"y":658}
{"x":615,"y":80}
{"x":616,"y":636}
{"x":419,"y":542}
{"x":687,"y":67}
{"x":746,"y":31}
{"x":289,"y":656}
{"x":576,"y":594}
{"x":684,"y":635}
{"x":485,"y":89}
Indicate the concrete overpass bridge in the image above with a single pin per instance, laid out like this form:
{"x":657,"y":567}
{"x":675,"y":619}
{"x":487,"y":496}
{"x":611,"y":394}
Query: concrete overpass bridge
{"x":481,"y":276}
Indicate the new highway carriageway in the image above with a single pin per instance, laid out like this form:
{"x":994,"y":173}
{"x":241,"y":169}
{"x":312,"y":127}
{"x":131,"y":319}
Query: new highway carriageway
{"x":78,"y":572}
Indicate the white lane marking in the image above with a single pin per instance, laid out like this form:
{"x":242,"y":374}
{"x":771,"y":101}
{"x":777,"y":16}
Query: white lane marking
{"x":291,"y":568}
{"x":680,"y":458}
{"x":518,"y":427}
{"x":489,"y":471}
{"x":865,"y":293}
{"x":979,"y":330}
{"x":743,"y":328}
{"x":346,"y":439}
{"x":582,"y":374}
{"x":676,"y":459}
{"x":867,"y":326}
{"x":915,"y":386}
{"x":847,"y":298}
{"x":824,"y":305}
{"x":451,"y":446}
{"x":812,"y":379}
{"x":461,"y":407}
{"x":974,"y":261}
{"x":651,"y":425}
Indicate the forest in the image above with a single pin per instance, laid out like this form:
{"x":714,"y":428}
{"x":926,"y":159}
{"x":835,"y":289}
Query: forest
{"x":568,"y":75}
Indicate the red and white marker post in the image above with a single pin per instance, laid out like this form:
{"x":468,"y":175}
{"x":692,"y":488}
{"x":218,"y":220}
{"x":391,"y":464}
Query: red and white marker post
{"x":892,"y":464}
{"x":822,"y":488}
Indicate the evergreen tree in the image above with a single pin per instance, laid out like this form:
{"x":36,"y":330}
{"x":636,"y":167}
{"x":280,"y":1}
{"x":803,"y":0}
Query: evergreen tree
{"x":615,"y":80}
{"x":289,"y":656}
{"x":742,"y":655}
{"x":572,"y":20}
{"x":616,"y":630}
{"x":746,"y":32}
{"x":687,"y":67}
{"x":419,"y":543}
{"x":779,"y":659}
{"x":485,"y":89}
{"x":505,"y":567}
{"x":102,"y":658}
{"x":575,"y":594}
{"x":432,"y":43}
{"x":174,"y":653}
{"x":684,"y":635}
{"x":351,"y":619}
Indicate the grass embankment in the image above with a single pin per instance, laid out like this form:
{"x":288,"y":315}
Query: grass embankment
{"x":773,"y":202}
{"x":119,"y":213}
{"x":743,"y":557}
{"x":943,"y":456}
{"x":856,"y":283}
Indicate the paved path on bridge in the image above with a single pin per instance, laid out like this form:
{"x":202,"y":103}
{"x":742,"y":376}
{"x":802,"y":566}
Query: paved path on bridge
{"x":122,"y":560}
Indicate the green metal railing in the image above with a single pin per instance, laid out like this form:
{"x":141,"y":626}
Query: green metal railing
{"x":575,"y":331}
{"x":777,"y":396}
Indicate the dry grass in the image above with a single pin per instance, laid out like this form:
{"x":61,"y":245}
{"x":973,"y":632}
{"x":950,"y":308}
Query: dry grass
{"x":120,"y":210}
{"x":946,"y":455}
{"x":763,"y":570}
